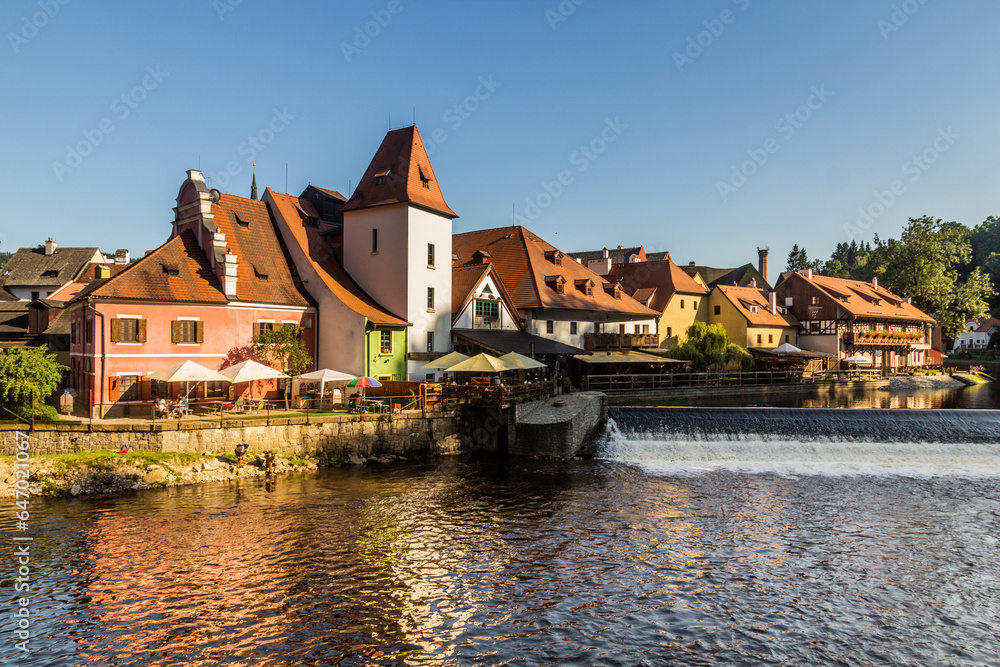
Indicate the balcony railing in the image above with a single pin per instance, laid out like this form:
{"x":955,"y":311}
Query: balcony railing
{"x":884,"y":339}
{"x":619,"y":341}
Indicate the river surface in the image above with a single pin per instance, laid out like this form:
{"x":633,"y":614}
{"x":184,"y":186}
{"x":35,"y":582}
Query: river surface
{"x":624,"y":560}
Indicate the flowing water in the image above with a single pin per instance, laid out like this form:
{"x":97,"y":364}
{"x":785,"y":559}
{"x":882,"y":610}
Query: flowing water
{"x":680,"y":545}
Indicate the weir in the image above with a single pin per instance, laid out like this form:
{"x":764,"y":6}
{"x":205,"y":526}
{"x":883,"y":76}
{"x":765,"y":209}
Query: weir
{"x":797,"y":441}
{"x":807,"y":424}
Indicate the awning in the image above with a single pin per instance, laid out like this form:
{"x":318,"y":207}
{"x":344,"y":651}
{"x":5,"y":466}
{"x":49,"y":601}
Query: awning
{"x":624,"y":357}
{"x":501,"y":341}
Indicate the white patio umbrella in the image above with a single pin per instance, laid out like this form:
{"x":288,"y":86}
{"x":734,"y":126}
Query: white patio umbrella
{"x":786,"y":348}
{"x":325,"y":375}
{"x":250,"y":371}
{"x":447,"y":360}
{"x":858,"y":359}
{"x":520,"y":361}
{"x":188,"y":372}
{"x":482,"y":363}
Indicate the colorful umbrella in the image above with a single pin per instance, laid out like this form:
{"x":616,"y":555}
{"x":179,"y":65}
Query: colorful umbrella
{"x":364,"y":381}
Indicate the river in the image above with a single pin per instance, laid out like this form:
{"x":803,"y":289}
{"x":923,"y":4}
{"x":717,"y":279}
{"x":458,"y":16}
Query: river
{"x":630,"y":559}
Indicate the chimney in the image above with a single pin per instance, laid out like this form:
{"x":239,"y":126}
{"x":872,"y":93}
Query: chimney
{"x":762,"y":262}
{"x":50,"y":247}
{"x":753,"y":282}
{"x":875,"y":283}
{"x":808,"y":273}
{"x":774,"y":303}
{"x":605,"y":254}
{"x":101,"y":272}
{"x":691,"y":264}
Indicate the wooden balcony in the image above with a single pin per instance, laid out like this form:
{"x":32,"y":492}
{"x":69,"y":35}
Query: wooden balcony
{"x":613,"y":341}
{"x":893,"y":339}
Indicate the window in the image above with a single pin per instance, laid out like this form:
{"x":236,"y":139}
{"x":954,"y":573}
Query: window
{"x":374,"y":241}
{"x":786,"y":338}
{"x":489,"y":310}
{"x":549,"y":326}
{"x":261,"y":327}
{"x":430,"y":377}
{"x":430,"y":341}
{"x":244,"y":224}
{"x":385,"y":341}
{"x":193,"y":332}
{"x":214,"y":389}
{"x":430,"y":255}
{"x":159,"y":389}
{"x":35,"y":295}
{"x":670,"y":332}
{"x":572,"y":328}
{"x":128,"y":330}
{"x":682,"y":303}
{"x":635,"y":328}
{"x":770,"y":338}
{"x":814,"y":301}
{"x":694,"y":304}
{"x":645,"y":329}
{"x":718,"y":310}
{"x":128,"y":387}
{"x":590,"y":289}
{"x":621,"y":328}
{"x":430,"y":299}
{"x":89,"y":330}
{"x":758,"y":339}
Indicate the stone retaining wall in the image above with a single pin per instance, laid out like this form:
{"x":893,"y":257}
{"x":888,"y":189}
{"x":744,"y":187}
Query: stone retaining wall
{"x":365,"y":435}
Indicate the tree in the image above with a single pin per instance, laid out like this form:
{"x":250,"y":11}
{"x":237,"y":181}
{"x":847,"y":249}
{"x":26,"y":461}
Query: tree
{"x":798,"y":260}
{"x":29,"y":375}
{"x":283,"y":346}
{"x":708,"y":346}
{"x":924,"y":264}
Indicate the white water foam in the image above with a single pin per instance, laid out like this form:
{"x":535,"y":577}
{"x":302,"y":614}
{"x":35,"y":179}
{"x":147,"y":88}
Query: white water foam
{"x":683,"y":456}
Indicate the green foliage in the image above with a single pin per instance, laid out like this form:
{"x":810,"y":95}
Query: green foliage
{"x":283,"y":346}
{"x":925,"y":264}
{"x":798,"y":259}
{"x":25,"y":372}
{"x":708,"y":347}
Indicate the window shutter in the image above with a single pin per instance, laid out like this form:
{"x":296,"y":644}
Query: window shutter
{"x":113,"y":390}
{"x":145,"y":388}
{"x":256,"y":330}
{"x":199,"y":332}
{"x":175,"y":331}
{"x":116,"y":330}
{"x":140,"y":331}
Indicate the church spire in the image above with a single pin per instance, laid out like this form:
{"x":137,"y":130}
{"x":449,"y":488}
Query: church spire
{"x":253,"y":186}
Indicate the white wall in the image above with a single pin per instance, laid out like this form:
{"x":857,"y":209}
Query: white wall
{"x":828,"y":343}
{"x":24,"y":293}
{"x":381,"y":275}
{"x":465,"y":319}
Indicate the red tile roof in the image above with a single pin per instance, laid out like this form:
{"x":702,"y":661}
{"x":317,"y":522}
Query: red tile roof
{"x":664,"y":275}
{"x":176,"y":271}
{"x":863,"y":301}
{"x":519,"y":258}
{"x":750,"y":299}
{"x":400,"y":172}
{"x":294,"y":211}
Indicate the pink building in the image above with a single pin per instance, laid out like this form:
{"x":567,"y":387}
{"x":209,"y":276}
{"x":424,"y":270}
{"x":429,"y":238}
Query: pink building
{"x":223,"y":276}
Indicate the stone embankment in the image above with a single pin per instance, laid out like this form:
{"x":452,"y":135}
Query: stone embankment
{"x":924,"y":382}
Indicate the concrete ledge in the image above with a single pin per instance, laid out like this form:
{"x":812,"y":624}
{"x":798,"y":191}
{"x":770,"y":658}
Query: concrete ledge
{"x":559,"y":427}
{"x":641,"y":396}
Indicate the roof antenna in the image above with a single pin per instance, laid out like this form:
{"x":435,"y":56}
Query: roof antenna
{"x":390,"y":121}
{"x":286,"y":178}
{"x":414,"y":116}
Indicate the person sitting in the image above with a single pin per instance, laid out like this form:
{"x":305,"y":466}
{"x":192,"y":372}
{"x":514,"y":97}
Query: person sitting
{"x":182,"y":406}
{"x":161,"y":408}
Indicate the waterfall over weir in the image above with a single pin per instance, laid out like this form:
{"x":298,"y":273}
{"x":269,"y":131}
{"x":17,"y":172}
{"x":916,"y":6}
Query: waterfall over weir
{"x":806,"y":441}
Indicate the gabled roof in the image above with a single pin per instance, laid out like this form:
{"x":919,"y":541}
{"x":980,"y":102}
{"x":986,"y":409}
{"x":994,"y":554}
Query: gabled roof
{"x":861,"y":300}
{"x":399,"y":173}
{"x":176,"y":271}
{"x":30,"y":267}
{"x":663,"y":275}
{"x":755,"y":306}
{"x":741,"y":275}
{"x":260,"y":251}
{"x":294,"y":210}
{"x":519,"y":258}
{"x":988,"y":323}
{"x":465,"y":279}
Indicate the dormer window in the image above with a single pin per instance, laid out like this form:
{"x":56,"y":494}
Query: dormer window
{"x":876,"y":302}
{"x":586,"y":286}
{"x":556,"y":284}
{"x":260,"y":276}
{"x":753,"y":309}
{"x":554,"y":256}
{"x":244,"y":224}
{"x":381,"y":176}
{"x":172,"y":270}
{"x":424,"y":180}
{"x":51,"y":274}
{"x":614,"y":290}
{"x":481,"y":257}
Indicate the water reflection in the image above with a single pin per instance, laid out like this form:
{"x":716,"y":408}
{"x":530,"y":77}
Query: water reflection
{"x":548,"y":563}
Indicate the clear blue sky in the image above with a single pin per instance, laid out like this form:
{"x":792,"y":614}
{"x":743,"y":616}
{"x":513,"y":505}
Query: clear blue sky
{"x":678,"y":126}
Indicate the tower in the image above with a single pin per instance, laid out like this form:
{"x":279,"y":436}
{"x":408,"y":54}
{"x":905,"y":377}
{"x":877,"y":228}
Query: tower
{"x":397,"y":243}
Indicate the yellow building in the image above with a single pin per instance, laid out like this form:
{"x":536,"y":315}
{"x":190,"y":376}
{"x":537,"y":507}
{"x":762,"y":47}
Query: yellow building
{"x":751,"y":317}
{"x":664,"y":287}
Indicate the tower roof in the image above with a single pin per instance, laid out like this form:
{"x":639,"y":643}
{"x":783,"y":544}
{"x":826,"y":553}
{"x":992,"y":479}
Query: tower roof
{"x":400,"y":173}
